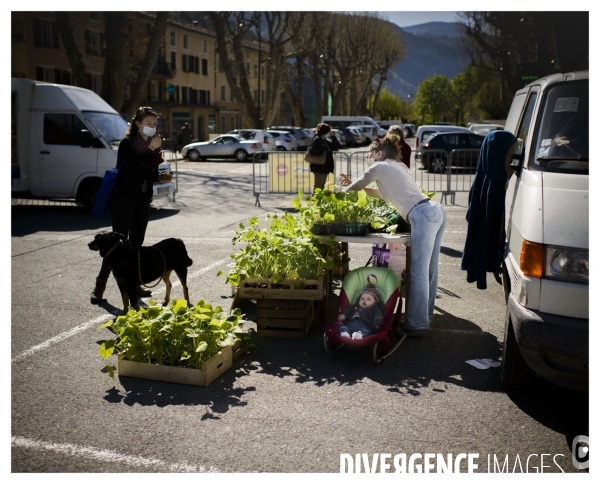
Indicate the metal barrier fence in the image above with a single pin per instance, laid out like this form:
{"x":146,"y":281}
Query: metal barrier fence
{"x":170,"y":156}
{"x":286,"y":172}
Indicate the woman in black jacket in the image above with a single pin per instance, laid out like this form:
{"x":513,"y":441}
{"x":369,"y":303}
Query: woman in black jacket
{"x":138,"y":158}
{"x":323,"y":141}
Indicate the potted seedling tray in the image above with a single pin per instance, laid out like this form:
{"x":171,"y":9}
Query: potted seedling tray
{"x":308,"y":289}
{"x":354,"y":229}
{"x":211,"y":369}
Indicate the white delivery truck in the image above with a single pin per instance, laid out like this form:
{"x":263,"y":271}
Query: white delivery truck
{"x":546,"y":263}
{"x":64,"y":138}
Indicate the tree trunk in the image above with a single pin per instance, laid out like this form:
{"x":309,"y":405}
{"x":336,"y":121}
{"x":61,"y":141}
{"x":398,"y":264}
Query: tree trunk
{"x":73,"y":54}
{"x":138,"y":90}
{"x":115,"y":67}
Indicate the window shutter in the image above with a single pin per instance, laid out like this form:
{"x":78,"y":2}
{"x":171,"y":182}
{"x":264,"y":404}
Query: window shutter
{"x":66,"y":77}
{"x":54,"y":35}
{"x":197,"y":65}
{"x":205,"y":67}
{"x":173,"y":60}
{"x":57,"y":76}
{"x":39,"y":74}
{"x":103,"y":45}
{"x":184,"y":63}
{"x":178,"y":96}
{"x":37,"y":33}
{"x":190,"y":63}
{"x":88,"y":42}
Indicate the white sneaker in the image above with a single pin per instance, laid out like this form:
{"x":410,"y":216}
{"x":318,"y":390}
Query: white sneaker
{"x":345,"y":334}
{"x":357,"y":335}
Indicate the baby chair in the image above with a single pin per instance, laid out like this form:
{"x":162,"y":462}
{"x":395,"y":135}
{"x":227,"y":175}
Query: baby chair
{"x":387,"y":284}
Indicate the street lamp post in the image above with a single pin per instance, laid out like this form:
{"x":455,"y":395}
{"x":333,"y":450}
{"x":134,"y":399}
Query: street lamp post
{"x":258,"y":93}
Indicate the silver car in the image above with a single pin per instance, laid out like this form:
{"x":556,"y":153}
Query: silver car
{"x":284,"y":141}
{"x":224,"y":146}
{"x":302,"y":136}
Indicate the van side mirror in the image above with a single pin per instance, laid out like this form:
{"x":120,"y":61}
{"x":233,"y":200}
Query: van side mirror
{"x":86,"y":138}
{"x":516,"y":162}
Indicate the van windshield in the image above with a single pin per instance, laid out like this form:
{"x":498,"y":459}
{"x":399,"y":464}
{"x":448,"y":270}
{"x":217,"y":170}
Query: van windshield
{"x":112,"y":127}
{"x":562,"y":141}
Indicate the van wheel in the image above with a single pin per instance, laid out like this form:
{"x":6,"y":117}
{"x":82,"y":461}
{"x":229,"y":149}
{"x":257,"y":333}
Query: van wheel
{"x":514,"y":372}
{"x":438,"y":165}
{"x":87,"y":194}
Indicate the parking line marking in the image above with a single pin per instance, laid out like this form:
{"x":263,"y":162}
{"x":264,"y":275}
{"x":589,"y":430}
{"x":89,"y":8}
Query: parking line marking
{"x":106,"y":455}
{"x":100,"y":319}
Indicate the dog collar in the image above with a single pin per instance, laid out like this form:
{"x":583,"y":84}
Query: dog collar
{"x":112,"y":248}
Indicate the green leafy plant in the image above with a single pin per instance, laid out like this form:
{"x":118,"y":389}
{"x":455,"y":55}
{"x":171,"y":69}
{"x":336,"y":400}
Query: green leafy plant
{"x":285,"y":249}
{"x":328,"y":207}
{"x":174,"y":336}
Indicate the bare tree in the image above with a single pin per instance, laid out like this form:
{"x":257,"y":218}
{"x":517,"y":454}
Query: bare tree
{"x":73,"y":54}
{"x":156,"y":38}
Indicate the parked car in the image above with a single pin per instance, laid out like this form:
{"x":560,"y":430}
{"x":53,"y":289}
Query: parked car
{"x":224,"y":146}
{"x":411,"y":129}
{"x":484,"y":129}
{"x":302,"y":136}
{"x":359,"y":136}
{"x":546,"y":260}
{"x":284,"y":141}
{"x":424,"y":132}
{"x":433,"y":160}
{"x":341,"y":137}
{"x":268,"y":143}
{"x":368,"y":131}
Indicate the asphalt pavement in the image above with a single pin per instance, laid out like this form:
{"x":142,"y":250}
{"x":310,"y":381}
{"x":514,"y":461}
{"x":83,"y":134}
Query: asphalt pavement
{"x":286,"y":406}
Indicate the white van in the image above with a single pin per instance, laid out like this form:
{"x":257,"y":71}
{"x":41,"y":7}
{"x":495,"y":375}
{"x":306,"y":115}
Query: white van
{"x":346,"y":121}
{"x":63,"y":139}
{"x":546,"y":262}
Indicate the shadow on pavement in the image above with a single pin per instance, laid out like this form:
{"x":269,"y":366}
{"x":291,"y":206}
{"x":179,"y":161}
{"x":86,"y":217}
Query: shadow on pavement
{"x":29,"y":219}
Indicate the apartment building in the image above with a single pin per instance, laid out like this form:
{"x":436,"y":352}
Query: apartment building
{"x":186,"y":85}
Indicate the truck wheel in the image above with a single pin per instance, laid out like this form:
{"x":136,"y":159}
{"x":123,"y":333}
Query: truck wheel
{"x":514,"y":372}
{"x":87,"y":194}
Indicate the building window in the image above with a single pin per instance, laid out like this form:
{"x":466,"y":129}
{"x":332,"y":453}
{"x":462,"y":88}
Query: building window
{"x":197,"y":65}
{"x":173,"y":38}
{"x":96,"y":83}
{"x":262,"y":72}
{"x":222,"y":93}
{"x":186,"y":41}
{"x":256,"y":70}
{"x":247,"y":68}
{"x":205,"y":46}
{"x":95,"y":16}
{"x":17,"y":29}
{"x":154,"y":91}
{"x":231,"y":122}
{"x":205,"y":67}
{"x":256,"y":95}
{"x":184,"y":95}
{"x":231,"y":96}
{"x":262,"y":96}
{"x":223,"y":127}
{"x":174,"y":60}
{"x":45,"y":34}
{"x":94,"y":43}
{"x":47,"y":74}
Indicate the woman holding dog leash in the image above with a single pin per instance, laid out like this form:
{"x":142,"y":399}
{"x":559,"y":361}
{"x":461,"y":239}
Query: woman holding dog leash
{"x":427,"y":219}
{"x":138,"y":158}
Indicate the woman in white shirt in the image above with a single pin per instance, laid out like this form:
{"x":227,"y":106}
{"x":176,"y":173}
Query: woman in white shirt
{"x":426,"y":217}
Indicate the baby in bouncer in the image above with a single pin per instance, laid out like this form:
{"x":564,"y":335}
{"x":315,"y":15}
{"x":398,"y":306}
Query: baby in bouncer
{"x":363,"y":318}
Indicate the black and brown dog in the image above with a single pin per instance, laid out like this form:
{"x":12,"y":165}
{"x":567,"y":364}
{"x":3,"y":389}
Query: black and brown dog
{"x":132,"y":265}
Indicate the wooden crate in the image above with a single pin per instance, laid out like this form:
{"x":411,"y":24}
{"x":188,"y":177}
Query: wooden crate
{"x":301,"y":289}
{"x":210,"y":370}
{"x":280,"y":318}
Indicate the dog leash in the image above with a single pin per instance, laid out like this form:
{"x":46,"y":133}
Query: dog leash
{"x":140,"y":267}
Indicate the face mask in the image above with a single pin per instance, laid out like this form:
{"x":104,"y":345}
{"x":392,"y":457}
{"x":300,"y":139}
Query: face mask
{"x":148,"y":131}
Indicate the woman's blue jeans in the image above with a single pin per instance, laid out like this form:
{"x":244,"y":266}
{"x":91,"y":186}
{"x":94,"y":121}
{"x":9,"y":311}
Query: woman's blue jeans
{"x":427,"y":222}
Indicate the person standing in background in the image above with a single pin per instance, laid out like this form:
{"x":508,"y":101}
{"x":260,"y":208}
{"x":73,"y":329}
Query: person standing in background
{"x":405,"y":150}
{"x":185,"y":136}
{"x":323,"y":141}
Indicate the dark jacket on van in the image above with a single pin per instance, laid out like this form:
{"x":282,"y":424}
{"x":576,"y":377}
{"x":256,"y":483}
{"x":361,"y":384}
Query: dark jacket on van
{"x":138,"y":168}
{"x":484,"y":245}
{"x":318,"y":146}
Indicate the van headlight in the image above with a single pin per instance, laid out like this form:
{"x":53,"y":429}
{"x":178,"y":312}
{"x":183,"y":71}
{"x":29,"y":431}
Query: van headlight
{"x":567,"y":264}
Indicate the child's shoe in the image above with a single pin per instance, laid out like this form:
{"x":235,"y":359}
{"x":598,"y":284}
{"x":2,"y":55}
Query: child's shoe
{"x":345,"y":334}
{"x":357,"y":335}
